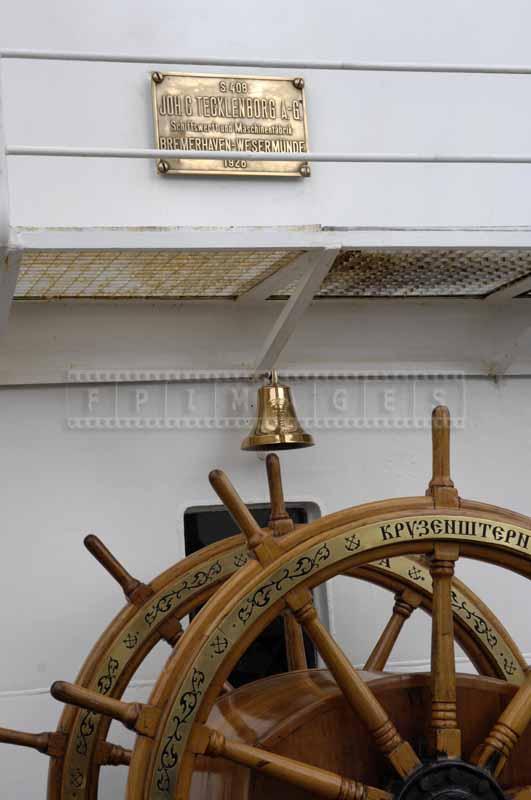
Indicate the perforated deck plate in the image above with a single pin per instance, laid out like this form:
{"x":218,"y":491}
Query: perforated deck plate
{"x":56,"y":274}
{"x":109,"y":274}
{"x":424,"y":273}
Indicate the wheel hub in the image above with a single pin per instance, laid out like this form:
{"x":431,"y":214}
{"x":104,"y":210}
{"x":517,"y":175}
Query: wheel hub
{"x":450,"y":780}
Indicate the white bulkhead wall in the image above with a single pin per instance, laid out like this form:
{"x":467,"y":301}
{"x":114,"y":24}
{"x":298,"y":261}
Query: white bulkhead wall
{"x":61,"y":103}
{"x":131,"y":487}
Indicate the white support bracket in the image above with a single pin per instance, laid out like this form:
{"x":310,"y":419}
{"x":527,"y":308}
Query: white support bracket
{"x":508,"y":292}
{"x":9,"y":257}
{"x":277,"y":281}
{"x":8,"y":280}
{"x":318,"y":264}
{"x":4,"y":188}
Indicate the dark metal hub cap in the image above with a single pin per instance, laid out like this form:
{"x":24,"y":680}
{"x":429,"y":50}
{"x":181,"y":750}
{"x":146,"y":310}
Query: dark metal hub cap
{"x":450,"y":780}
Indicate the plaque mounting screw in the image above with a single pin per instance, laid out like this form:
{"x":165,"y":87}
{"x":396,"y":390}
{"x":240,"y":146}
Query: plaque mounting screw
{"x":163,"y":166}
{"x":298,"y":83}
{"x":305,"y":170}
{"x":157,"y":77}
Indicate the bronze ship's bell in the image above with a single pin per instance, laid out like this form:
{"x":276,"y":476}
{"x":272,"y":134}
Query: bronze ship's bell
{"x":277,"y":426}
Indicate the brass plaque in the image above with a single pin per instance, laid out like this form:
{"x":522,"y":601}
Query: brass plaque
{"x":230,"y":112}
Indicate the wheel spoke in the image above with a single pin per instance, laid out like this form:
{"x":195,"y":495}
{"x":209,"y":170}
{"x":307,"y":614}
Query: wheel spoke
{"x":237,"y":508}
{"x":511,"y":724}
{"x":405,"y":603}
{"x":280,"y":521}
{"x":312,"y":779}
{"x":51,"y":744}
{"x":113,"y":755}
{"x":441,"y":486}
{"x":446,"y":735}
{"x":299,"y":600}
{"x":171,"y":630}
{"x":139,"y":717}
{"x":135,"y":591}
{"x":358,"y":695}
{"x":294,"y":639}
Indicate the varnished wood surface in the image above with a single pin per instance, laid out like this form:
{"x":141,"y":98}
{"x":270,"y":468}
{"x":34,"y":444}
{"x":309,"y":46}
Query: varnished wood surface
{"x":300,"y":774}
{"x":405,"y":603}
{"x":357,"y":694}
{"x":332,"y":532}
{"x":511,"y":725}
{"x":135,"y":591}
{"x":480,"y":655}
{"x":280,"y":521}
{"x":441,"y":486}
{"x":445,"y":733}
{"x":474,"y":647}
{"x":96,"y":660}
{"x":304,"y":716}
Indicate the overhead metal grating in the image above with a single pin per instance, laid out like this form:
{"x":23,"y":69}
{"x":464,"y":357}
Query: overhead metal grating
{"x":174,"y":274}
{"x":111,"y":274}
{"x":422,"y":273}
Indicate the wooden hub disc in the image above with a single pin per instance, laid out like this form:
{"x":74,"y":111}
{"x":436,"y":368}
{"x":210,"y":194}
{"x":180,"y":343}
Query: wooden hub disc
{"x":303,"y":715}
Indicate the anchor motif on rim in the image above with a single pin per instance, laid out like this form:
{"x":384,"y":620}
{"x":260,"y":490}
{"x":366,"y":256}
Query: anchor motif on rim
{"x":352,"y":542}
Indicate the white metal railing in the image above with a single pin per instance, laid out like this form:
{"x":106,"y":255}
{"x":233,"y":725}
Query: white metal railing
{"x":374,"y":158}
{"x":155,"y":153}
{"x":349,"y":66}
{"x":354,"y":158}
{"x":8,"y":238}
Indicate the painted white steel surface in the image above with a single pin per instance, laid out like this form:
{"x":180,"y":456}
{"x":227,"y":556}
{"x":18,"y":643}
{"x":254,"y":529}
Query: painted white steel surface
{"x":4,"y":186}
{"x":107,"y":105}
{"x":349,"y":66}
{"x":331,"y":158}
{"x":132,"y":486}
{"x":353,"y":335}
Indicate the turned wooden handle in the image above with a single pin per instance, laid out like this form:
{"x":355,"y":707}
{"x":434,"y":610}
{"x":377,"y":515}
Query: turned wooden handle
{"x":279,"y":521}
{"x":140,"y":717}
{"x":276,"y":492}
{"x":37,"y":741}
{"x":128,"y":713}
{"x":51,"y":744}
{"x":109,"y":562}
{"x":440,"y":433}
{"x":235,"y":505}
{"x":441,"y":486}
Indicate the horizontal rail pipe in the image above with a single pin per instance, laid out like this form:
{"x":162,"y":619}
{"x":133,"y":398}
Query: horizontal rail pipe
{"x":348,"y":66}
{"x":354,"y":158}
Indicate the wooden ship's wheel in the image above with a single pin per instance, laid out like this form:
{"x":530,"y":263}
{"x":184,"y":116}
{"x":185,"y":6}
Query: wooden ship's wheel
{"x":79,"y":748}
